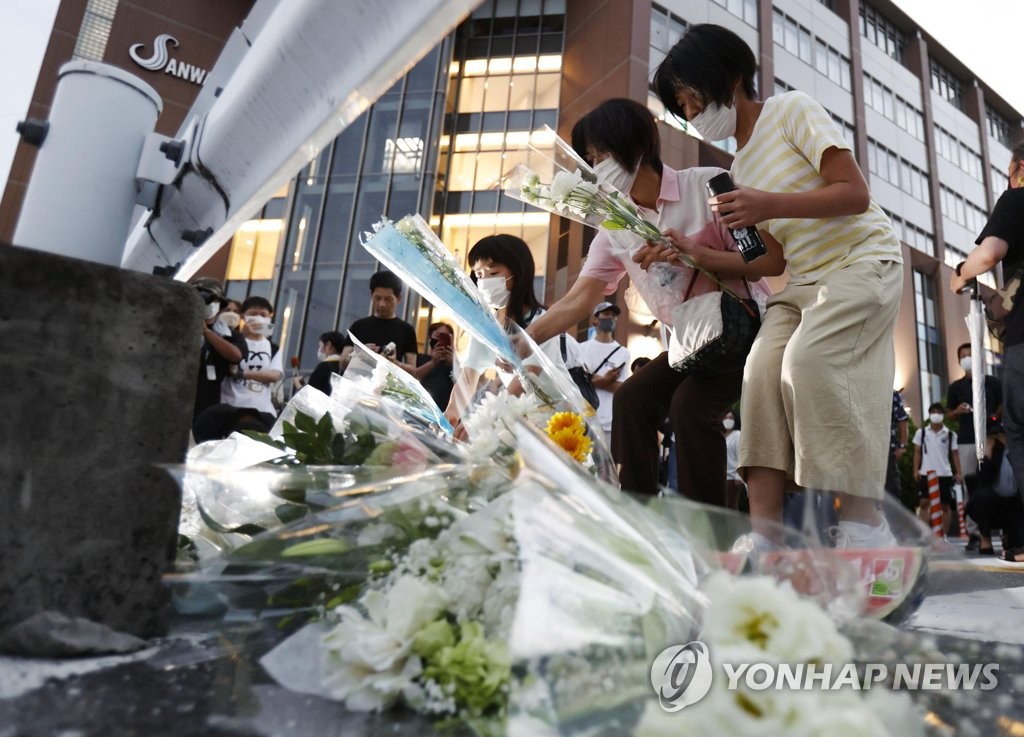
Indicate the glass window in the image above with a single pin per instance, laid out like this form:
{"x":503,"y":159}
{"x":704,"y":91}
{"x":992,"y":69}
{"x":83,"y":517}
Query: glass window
{"x":805,"y":45}
{"x":348,"y":147}
{"x":382,"y":127}
{"x":496,"y":92}
{"x":548,"y":87}
{"x":821,"y":56}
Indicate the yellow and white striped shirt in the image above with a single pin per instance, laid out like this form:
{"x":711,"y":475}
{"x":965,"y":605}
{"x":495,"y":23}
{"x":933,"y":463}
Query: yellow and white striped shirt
{"x":784,"y":155}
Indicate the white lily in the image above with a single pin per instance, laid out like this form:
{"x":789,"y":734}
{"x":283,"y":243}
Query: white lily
{"x":367,"y":661}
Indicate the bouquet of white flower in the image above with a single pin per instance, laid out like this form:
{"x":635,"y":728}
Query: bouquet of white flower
{"x":385,"y":379}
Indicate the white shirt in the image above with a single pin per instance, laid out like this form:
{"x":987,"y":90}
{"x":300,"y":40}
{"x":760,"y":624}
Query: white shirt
{"x":593,"y":354}
{"x":732,"y":452}
{"x":253,"y":394}
{"x":935,"y":450}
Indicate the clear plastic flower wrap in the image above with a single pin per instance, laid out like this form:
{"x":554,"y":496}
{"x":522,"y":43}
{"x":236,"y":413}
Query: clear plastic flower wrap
{"x":571,"y":189}
{"x":540,"y":392}
{"x":387,"y":380}
{"x":321,"y":448}
{"x":809,"y":552}
{"x":543,"y":607}
{"x":414,"y":252}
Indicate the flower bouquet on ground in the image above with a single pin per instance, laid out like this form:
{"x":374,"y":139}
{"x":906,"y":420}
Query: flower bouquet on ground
{"x":537,"y":614}
{"x":811,"y":553}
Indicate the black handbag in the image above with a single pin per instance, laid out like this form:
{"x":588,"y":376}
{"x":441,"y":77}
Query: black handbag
{"x":581,"y":378}
{"x":712,"y":334}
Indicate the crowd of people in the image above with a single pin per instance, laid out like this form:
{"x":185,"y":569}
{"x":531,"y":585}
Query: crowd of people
{"x":815,"y":389}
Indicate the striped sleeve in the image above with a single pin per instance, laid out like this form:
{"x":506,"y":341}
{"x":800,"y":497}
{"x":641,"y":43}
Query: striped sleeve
{"x":810,"y":128}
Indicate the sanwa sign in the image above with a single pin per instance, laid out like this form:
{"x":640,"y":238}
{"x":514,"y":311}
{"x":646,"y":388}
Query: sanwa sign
{"x":161,"y":60}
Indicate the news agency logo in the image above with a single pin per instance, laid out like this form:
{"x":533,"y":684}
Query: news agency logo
{"x":681,"y":675}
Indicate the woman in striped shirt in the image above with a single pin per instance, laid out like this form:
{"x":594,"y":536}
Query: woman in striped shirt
{"x":818,"y":382}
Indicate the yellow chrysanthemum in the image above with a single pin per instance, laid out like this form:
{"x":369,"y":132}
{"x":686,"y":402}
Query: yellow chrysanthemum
{"x":573,"y":442}
{"x":566,"y":421}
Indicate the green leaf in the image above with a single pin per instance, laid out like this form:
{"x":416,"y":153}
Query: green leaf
{"x":611,"y":225}
{"x":305,"y":422}
{"x":322,"y":546}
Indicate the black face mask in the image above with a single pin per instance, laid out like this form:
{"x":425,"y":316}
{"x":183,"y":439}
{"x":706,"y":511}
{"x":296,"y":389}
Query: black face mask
{"x":607,"y":324}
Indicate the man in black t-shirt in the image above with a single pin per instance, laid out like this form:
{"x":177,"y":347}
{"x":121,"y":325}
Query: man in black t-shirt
{"x":960,"y":400}
{"x":1002,"y":241}
{"x":384,"y":332}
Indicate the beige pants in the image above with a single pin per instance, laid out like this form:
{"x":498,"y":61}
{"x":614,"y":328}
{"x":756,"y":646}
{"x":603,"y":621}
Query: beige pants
{"x":817,"y":388}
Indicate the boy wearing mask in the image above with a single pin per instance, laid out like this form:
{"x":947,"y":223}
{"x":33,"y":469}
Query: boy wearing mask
{"x":934,"y":446}
{"x":251,"y":383}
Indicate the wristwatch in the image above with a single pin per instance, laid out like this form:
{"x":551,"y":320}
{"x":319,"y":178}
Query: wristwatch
{"x":901,"y":446}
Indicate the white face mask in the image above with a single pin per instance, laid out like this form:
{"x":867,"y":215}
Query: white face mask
{"x":610,"y":172}
{"x":728,"y":423}
{"x":259,"y":325}
{"x":965,"y":363}
{"x":211,"y":311}
{"x":321,"y":355}
{"x":936,"y":417}
{"x":495,"y":292}
{"x":716,"y":122}
{"x":230,"y":319}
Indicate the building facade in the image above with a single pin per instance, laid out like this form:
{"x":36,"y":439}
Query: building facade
{"x":932,"y":139}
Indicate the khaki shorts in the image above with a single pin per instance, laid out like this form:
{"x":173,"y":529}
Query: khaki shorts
{"x":817,"y":388}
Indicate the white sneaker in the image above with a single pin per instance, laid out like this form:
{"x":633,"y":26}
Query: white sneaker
{"x":859,"y":535}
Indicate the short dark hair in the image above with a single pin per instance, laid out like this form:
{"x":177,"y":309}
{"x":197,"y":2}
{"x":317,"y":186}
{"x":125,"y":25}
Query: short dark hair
{"x":386,"y":280}
{"x":336,"y":339}
{"x":259,"y":302}
{"x":937,"y":405}
{"x":638,"y":363}
{"x":510,"y":251}
{"x":735,"y":416}
{"x":709,"y":60}
{"x":960,"y":348}
{"x":625,"y":129}
{"x":435,"y":325}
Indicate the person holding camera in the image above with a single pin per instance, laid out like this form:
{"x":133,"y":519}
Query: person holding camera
{"x":384,"y":332}
{"x":434,"y":371}
{"x":223,"y":346}
{"x":817,"y":384}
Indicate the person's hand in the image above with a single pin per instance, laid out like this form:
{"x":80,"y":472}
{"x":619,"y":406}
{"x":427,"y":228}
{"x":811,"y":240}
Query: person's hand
{"x":917,"y":475}
{"x":958,"y":283}
{"x":441,"y":354}
{"x":652,"y":253}
{"x":743,"y":207}
{"x":684,"y":245}
{"x":373,"y":347}
{"x":959,"y":478}
{"x":899,"y":453}
{"x":962,"y":409}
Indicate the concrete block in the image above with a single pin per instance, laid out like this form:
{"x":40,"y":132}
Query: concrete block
{"x":99,"y":368}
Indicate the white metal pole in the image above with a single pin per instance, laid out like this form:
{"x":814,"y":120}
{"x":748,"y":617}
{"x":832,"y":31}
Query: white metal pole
{"x":81,"y":196}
